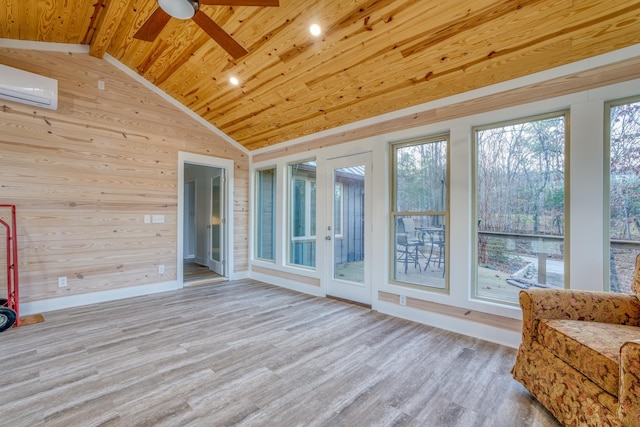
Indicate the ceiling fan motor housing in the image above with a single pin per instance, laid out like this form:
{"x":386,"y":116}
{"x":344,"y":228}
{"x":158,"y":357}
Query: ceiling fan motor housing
{"x":180,"y":9}
{"x":190,"y":9}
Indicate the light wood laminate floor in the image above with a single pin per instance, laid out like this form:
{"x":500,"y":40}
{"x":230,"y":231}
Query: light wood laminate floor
{"x":196,"y":274}
{"x":250,"y":354}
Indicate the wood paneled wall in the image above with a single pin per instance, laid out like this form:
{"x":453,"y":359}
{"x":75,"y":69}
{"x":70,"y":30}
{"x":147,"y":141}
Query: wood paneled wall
{"x":84,"y":176}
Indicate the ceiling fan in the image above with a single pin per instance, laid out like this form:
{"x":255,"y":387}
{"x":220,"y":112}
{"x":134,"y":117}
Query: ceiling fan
{"x":190,"y":9}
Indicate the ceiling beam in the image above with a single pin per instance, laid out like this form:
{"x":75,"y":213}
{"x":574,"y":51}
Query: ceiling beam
{"x":108,"y":23}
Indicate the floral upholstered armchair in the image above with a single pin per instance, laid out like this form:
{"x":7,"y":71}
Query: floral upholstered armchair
{"x":580,"y":354}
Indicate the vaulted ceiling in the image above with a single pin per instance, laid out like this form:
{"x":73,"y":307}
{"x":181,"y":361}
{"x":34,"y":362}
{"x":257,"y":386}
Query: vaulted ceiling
{"x":373,"y":56}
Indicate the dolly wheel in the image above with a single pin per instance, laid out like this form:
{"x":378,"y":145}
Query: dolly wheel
{"x":7,"y":318}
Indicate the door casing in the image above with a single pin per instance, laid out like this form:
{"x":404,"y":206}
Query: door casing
{"x":228,"y":166}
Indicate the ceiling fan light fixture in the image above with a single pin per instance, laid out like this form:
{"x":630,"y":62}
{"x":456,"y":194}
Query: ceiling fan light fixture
{"x":180,"y":9}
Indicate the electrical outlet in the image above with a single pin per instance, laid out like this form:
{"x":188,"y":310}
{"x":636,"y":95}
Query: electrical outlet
{"x":147,"y":219}
{"x":157,"y":219}
{"x":161,"y":269}
{"x":403,"y":300}
{"x":62,"y":282}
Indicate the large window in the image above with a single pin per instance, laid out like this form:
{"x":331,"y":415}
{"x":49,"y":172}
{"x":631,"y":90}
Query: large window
{"x":266,"y":214}
{"x":419,"y":212}
{"x":624,"y":192}
{"x":520,"y":206}
{"x":302,"y":214}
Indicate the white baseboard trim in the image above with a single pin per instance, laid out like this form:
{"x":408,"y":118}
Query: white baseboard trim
{"x":453,"y":324}
{"x":288,"y":284}
{"x":95,"y":297}
{"x":239,"y":275}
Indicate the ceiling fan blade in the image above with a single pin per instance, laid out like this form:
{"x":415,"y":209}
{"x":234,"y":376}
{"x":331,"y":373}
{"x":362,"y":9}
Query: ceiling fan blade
{"x":152,"y":26}
{"x":219,"y":35}
{"x":240,"y":2}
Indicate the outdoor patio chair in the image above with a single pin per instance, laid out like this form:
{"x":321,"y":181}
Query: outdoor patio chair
{"x":409,"y":243}
{"x":436,"y":240}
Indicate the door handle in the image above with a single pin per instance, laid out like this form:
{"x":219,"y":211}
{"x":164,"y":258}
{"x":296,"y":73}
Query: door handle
{"x":327,"y":238}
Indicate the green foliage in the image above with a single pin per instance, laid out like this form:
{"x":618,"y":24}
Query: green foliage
{"x":554,"y":199}
{"x":420,"y":176}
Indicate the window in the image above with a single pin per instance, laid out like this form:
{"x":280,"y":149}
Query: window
{"x":419,"y":212}
{"x":302,"y":214}
{"x":624,"y":192}
{"x":266,"y":214}
{"x":520,"y":206}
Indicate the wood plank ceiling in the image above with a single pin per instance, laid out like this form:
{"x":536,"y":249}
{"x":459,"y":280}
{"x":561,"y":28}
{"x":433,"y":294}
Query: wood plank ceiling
{"x":373,"y":57}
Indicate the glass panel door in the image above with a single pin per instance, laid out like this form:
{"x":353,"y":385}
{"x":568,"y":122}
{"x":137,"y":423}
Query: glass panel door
{"x":347,"y":235}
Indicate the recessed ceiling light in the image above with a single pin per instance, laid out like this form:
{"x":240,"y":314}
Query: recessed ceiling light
{"x":315,"y":30}
{"x":234,"y":81}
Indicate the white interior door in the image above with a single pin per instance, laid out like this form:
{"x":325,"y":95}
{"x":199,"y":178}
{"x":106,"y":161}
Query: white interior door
{"x":216,"y":228}
{"x":348,"y":235}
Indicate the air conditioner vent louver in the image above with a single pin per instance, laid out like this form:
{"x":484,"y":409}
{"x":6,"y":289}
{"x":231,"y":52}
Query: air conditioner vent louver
{"x":28,"y":88}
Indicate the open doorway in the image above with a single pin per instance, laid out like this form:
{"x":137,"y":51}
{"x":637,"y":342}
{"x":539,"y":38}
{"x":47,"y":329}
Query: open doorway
{"x":203,"y":225}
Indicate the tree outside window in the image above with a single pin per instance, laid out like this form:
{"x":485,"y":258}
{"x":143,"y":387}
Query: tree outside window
{"x":624,"y":192}
{"x":520,"y":207}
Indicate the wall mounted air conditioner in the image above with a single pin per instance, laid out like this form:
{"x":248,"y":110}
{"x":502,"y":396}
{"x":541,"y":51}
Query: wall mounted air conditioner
{"x":28,"y":88}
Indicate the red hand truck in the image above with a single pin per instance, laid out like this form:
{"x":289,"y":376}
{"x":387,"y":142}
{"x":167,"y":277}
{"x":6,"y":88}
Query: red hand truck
{"x":9,"y":307}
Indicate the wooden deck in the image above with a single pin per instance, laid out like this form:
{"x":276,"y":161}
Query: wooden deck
{"x":493,"y":284}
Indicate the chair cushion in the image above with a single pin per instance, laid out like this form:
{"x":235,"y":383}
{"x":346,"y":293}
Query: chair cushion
{"x":593,"y":348}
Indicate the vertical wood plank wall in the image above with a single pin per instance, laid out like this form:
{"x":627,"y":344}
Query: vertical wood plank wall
{"x":84,"y":176}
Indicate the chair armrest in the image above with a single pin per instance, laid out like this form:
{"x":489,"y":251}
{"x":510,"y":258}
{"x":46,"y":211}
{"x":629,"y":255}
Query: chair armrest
{"x":606,"y":307}
{"x":629,"y":388}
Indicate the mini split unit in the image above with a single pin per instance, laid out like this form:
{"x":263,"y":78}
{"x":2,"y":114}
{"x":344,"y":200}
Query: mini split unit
{"x":28,"y":88}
